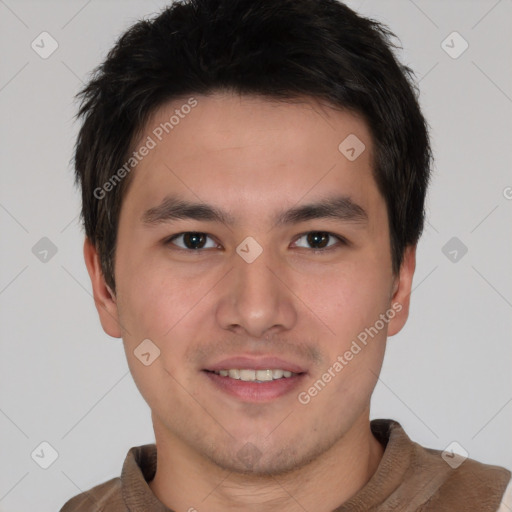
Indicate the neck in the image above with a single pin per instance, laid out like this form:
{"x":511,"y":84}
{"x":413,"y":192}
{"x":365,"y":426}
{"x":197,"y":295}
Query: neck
{"x":185,"y":480}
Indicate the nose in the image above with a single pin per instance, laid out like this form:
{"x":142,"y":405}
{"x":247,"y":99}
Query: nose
{"x":257,"y":299}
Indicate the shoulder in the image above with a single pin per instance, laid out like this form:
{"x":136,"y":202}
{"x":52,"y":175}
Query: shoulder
{"x":436,"y":480}
{"x":461,"y":483}
{"x":121,"y":493}
{"x":103,"y":497}
{"x":506,"y":504}
{"x":466,"y":471}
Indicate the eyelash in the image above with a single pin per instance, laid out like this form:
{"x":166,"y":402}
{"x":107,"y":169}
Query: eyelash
{"x":341,"y":241}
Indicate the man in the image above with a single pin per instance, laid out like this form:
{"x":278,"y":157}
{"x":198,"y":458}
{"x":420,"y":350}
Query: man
{"x":253,"y":181}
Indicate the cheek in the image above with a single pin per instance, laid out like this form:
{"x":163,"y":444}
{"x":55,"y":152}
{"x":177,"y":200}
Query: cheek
{"x":348,"y":300}
{"x":152,"y":308}
{"x":152,"y":299}
{"x":168,"y":308}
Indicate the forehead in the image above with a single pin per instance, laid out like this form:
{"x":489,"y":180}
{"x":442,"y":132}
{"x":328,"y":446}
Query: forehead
{"x":252,"y":152}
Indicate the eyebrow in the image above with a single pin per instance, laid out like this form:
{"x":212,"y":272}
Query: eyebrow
{"x":341,"y":208}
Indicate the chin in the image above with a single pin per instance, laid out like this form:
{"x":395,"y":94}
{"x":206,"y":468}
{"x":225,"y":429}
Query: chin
{"x":257,"y":461}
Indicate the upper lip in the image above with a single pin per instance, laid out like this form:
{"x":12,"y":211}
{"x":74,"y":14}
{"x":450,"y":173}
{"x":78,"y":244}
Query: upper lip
{"x":256,"y":363}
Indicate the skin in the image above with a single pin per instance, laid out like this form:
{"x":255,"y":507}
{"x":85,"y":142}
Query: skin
{"x":253,"y":157}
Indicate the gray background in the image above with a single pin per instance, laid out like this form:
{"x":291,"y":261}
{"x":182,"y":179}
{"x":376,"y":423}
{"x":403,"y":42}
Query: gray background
{"x":446,"y":377}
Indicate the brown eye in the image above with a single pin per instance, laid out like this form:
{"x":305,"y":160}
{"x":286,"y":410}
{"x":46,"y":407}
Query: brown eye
{"x":320,"y":240}
{"x":317,"y":238}
{"x":191,"y":240}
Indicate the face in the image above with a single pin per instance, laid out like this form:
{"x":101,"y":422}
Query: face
{"x":285,"y":268}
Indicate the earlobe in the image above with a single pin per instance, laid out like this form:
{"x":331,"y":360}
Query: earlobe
{"x":104,"y":297}
{"x":401,"y":296}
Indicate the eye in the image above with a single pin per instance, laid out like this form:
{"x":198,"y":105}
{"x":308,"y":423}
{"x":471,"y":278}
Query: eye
{"x":197,"y":241}
{"x":192,"y":240}
{"x":320,"y":239}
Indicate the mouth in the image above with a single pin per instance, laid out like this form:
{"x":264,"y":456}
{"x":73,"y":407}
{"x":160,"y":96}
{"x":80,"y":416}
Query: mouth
{"x":249,"y":375}
{"x":255,"y":381}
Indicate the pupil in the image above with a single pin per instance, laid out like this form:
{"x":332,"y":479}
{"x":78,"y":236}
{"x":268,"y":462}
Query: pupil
{"x":194,"y":238}
{"x":318,"y":237}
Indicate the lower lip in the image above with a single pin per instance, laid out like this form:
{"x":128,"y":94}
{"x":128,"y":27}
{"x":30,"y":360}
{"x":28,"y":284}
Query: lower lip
{"x":256,"y":391}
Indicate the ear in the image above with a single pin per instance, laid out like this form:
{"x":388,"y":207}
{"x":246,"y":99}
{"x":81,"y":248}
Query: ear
{"x":104,"y":297}
{"x":401,"y":293}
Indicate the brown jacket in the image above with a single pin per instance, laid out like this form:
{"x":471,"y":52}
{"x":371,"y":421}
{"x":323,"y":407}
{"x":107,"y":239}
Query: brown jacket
{"x":409,"y":478}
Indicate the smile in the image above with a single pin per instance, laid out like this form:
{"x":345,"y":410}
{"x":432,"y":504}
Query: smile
{"x":249,"y":375}
{"x":256,"y":386}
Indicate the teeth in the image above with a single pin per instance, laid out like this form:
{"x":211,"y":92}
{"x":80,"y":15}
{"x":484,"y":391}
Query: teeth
{"x":248,"y":375}
{"x":234,"y":374}
{"x":263,"y":375}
